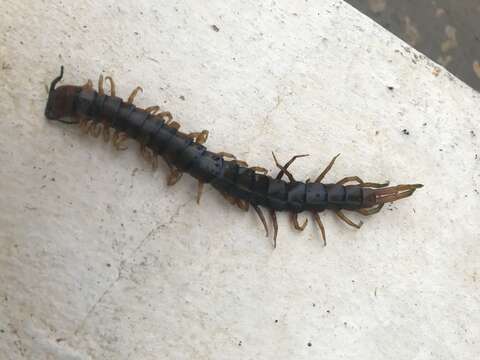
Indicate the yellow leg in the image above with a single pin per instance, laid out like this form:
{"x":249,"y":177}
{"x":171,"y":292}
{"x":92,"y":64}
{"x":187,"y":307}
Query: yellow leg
{"x":96,"y":129}
{"x":320,"y":225}
{"x":273,"y":216}
{"x":119,"y":139}
{"x":229,"y":198}
{"x":173,"y":177}
{"x":371,"y":211}
{"x":88,"y":85}
{"x":202,"y":139}
{"x":166,"y":116}
{"x":241,"y":163}
{"x":242,"y":204}
{"x":133,"y":94}
{"x":296,"y":224}
{"x":152,"y":109}
{"x":199,"y":191}
{"x":112,"y":85}
{"x":342,"y":216}
{"x":101,"y":92}
{"x":259,"y":212}
{"x":87,"y":126}
{"x":174,"y":125}
{"x":361,"y":182}
{"x":283,"y":169}
{"x":259,"y":169}
{"x":226,"y":155}
{"x":147,"y":153}
{"x":327,"y":169}
{"x":199,"y":137}
{"x":83,"y":123}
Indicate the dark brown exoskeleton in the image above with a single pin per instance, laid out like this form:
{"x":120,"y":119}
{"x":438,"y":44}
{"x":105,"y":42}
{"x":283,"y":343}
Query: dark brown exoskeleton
{"x":244,"y":186}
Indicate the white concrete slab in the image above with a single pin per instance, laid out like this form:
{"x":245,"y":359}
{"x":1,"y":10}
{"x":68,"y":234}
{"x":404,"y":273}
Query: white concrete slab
{"x":100,"y":260}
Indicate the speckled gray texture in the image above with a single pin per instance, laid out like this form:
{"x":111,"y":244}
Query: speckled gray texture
{"x":99,"y":259}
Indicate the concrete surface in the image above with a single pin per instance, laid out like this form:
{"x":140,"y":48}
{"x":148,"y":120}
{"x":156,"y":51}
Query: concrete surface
{"x":100,"y":260}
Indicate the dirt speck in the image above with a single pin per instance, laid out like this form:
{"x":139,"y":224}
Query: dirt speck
{"x":405,"y":132}
{"x":181,"y":97}
{"x":436,"y":71}
{"x":215,"y":28}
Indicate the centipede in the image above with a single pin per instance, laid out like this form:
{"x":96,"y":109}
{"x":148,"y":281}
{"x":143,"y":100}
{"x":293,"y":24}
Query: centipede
{"x":118,"y":121}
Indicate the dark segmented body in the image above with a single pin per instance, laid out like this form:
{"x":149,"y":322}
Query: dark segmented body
{"x":226,"y":176}
{"x":230,"y":177}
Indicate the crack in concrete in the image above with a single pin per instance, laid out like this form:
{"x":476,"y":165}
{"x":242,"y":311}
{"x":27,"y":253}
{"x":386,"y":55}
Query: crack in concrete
{"x":121,"y":268}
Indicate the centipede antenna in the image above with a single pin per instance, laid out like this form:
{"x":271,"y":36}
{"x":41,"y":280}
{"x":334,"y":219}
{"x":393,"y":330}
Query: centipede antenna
{"x":56,"y":80}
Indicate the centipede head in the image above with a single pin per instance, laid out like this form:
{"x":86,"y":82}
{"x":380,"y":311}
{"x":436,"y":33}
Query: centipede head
{"x":60,"y":101}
